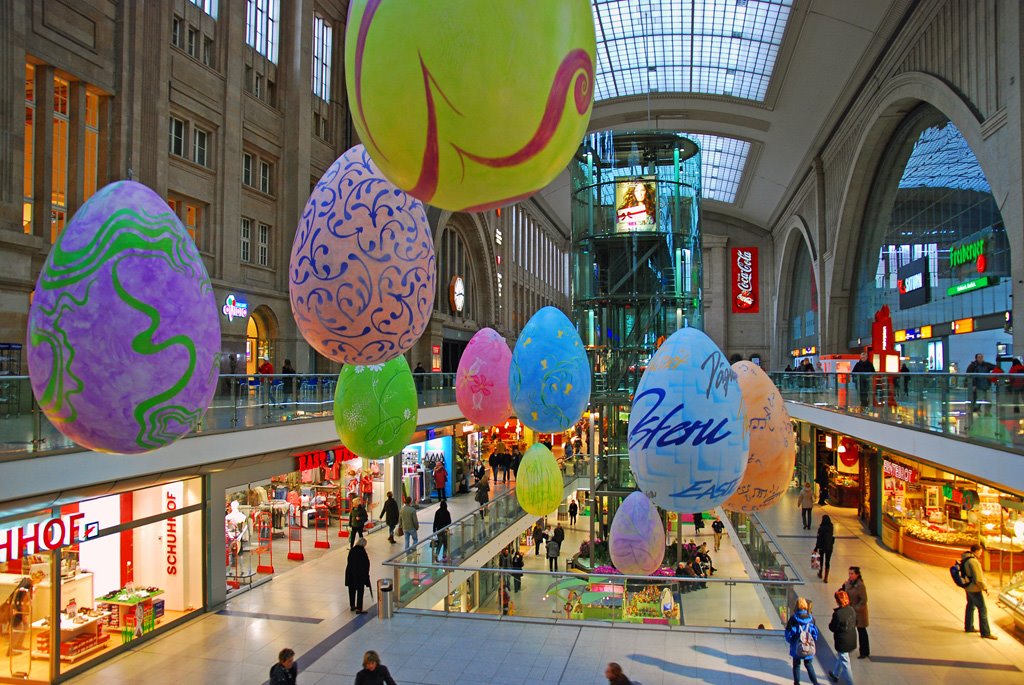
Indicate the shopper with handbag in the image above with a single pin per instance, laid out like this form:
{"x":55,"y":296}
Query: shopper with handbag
{"x":823,"y":546}
{"x":356,"y":520}
{"x":854,"y":587}
{"x":844,"y":632}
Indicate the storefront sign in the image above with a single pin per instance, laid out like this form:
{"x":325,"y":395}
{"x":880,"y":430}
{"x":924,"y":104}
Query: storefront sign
{"x":45,"y":536}
{"x":746,"y":297}
{"x":912,"y":283}
{"x":457,"y":294}
{"x":171,"y":534}
{"x":963,"y":326}
{"x":973,"y":284}
{"x":323,"y":458}
{"x":899,"y":471}
{"x":804,"y":351}
{"x":960,"y":254}
{"x":235,"y":308}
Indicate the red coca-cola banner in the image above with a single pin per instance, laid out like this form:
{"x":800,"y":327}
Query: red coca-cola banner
{"x":746,"y":293}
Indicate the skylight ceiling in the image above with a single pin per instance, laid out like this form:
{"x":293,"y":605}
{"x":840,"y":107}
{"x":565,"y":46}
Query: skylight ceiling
{"x":714,"y":47}
{"x":721,"y":165}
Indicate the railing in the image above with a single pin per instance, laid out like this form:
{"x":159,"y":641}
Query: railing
{"x":732,"y":604}
{"x":439,"y":553}
{"x":241,"y":402}
{"x":980,"y":408}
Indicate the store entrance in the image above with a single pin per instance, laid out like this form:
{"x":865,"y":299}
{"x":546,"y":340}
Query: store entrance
{"x":274,"y":525}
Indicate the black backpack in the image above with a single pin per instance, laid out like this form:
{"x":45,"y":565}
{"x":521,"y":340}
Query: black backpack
{"x":958,"y":571}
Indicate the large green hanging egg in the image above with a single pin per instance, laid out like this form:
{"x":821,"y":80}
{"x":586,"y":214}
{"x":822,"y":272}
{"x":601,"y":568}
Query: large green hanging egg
{"x":539,"y":481}
{"x":375,"y":408}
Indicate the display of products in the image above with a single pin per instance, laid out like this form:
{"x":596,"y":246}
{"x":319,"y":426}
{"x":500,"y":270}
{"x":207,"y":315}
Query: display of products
{"x":1012,"y":599}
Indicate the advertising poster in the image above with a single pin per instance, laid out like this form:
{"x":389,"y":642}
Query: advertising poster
{"x":636,"y":205}
{"x":746,"y":293}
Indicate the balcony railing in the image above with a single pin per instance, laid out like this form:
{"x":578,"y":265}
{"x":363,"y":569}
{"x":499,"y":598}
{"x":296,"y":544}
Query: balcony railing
{"x":241,"y":402}
{"x":979,"y":408}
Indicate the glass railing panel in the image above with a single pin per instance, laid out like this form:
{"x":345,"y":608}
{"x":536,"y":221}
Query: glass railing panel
{"x":653,"y":601}
{"x":240,"y":401}
{"x":980,"y":408}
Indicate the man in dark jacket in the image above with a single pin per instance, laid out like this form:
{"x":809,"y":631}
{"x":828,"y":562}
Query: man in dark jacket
{"x":980,"y":383}
{"x":976,"y":591}
{"x":559,"y":534}
{"x":539,"y":536}
{"x":864,"y":367}
{"x":844,"y":630}
{"x":390,"y":515}
{"x":285,"y":671}
{"x":517,"y":563}
{"x":442,"y":519}
{"x":356,"y":520}
{"x":357,"y":575}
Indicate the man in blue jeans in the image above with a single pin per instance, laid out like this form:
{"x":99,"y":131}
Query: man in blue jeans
{"x":410,"y":524}
{"x":976,"y":592}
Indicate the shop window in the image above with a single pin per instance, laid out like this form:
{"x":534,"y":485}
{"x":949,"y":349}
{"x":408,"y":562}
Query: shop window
{"x":177,"y":137}
{"x":106,"y":571}
{"x":200,"y":138}
{"x":193,"y":216}
{"x":28,"y":183}
{"x":263,"y":245}
{"x":245,"y":238}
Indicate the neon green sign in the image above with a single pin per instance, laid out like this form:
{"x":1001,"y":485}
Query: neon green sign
{"x":966,"y":253}
{"x":968,"y":286}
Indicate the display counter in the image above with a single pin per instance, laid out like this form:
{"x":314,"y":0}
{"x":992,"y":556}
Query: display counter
{"x":844,"y":495}
{"x":939,"y":546}
{"x":80,"y":636}
{"x":1012,"y":599}
{"x":77,"y":587}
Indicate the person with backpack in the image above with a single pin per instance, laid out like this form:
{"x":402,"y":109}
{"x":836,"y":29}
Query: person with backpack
{"x":976,"y":589}
{"x":801,"y":633}
{"x":825,"y":543}
{"x":844,"y":633}
{"x":854,"y":587}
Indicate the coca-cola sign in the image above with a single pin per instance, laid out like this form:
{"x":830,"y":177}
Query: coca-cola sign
{"x":746,"y":295}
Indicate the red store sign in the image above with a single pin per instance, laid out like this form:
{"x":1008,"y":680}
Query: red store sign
{"x":746,"y":294}
{"x":323,"y":458}
{"x":899,"y":471}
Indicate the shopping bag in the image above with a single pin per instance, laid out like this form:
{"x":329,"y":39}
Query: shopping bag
{"x":815,"y":560}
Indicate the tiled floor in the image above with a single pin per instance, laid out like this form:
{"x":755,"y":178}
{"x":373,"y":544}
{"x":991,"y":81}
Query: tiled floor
{"x":916,"y":633}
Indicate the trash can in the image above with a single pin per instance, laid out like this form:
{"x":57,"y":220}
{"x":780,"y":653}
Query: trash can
{"x":385,"y":606}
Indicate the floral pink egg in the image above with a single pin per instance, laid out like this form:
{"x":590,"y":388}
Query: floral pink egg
{"x":481,"y":384}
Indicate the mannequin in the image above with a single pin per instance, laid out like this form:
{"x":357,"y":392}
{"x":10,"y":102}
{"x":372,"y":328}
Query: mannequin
{"x":234,"y":530}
